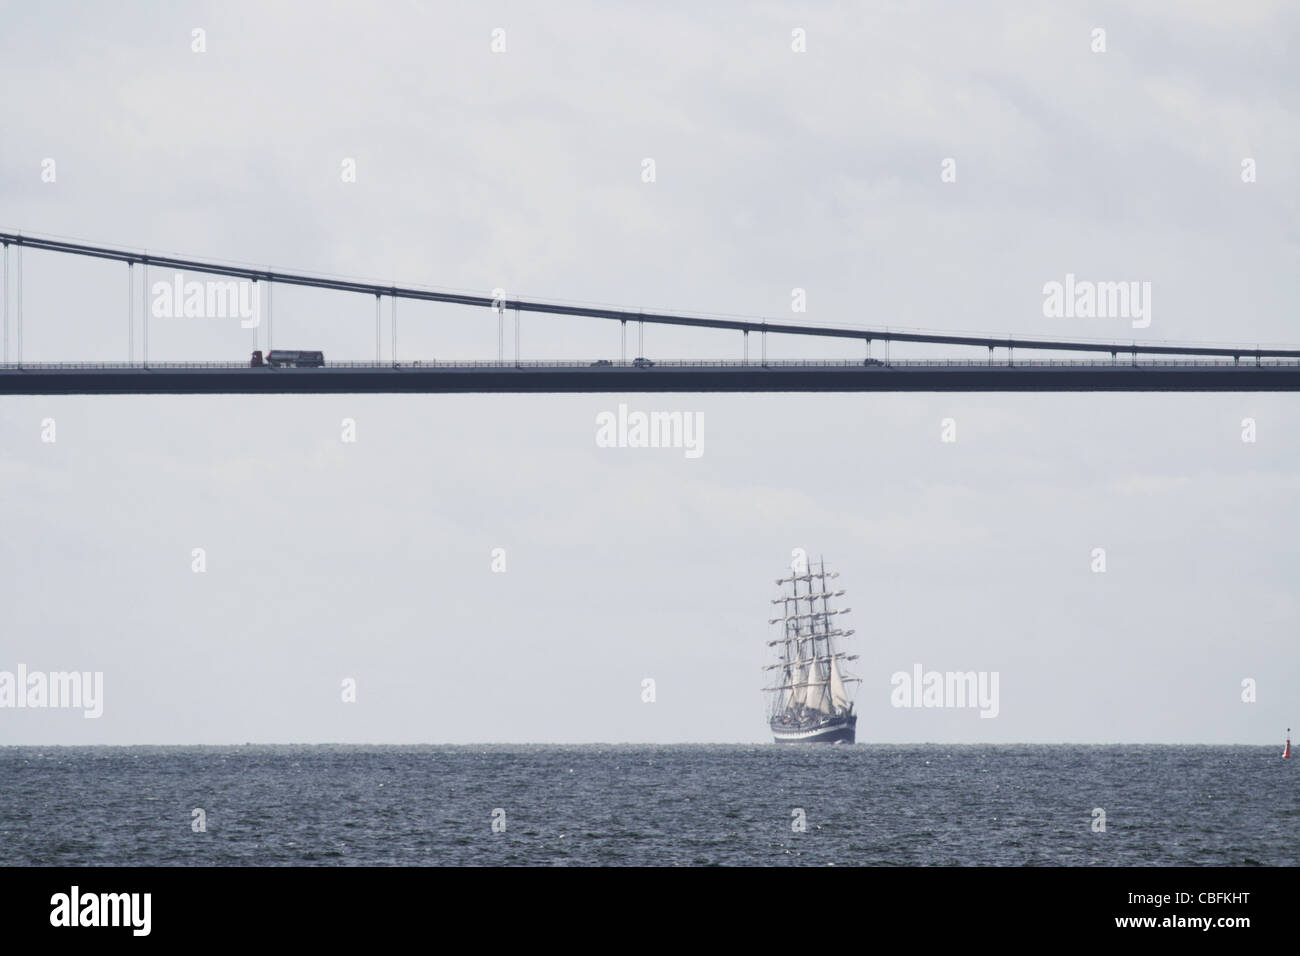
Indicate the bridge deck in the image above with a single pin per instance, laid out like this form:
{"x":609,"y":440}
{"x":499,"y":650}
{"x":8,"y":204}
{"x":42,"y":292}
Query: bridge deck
{"x":560,"y":377}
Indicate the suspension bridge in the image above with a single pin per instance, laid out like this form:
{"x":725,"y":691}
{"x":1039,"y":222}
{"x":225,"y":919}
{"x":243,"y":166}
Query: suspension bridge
{"x":1099,"y":366}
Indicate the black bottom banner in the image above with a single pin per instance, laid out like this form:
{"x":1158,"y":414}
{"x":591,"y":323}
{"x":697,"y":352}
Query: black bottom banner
{"x":330,"y":905}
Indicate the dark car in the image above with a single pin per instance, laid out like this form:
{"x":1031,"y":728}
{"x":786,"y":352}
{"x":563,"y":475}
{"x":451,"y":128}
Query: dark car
{"x":873,"y":362}
{"x":601,"y":363}
{"x":277,"y":358}
{"x":642,"y":363}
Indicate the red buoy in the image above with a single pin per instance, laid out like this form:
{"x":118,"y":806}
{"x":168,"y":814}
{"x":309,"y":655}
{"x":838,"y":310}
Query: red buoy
{"x":1286,"y":754}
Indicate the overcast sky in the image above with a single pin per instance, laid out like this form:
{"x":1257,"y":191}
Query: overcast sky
{"x":775,"y":169}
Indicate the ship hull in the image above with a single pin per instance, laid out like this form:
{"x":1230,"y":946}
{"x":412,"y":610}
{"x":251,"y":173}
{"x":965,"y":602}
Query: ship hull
{"x":836,"y":730}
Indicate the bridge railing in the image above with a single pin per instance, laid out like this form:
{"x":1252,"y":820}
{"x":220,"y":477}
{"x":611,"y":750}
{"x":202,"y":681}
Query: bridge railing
{"x":719,"y":363}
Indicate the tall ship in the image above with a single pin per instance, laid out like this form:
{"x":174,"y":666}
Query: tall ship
{"x":810,"y":697}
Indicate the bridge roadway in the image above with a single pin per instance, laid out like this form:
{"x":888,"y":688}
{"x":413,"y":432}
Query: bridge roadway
{"x":179,"y":378}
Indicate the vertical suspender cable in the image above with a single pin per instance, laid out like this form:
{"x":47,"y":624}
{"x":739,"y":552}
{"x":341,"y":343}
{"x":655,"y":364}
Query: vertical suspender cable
{"x":130,"y":312}
{"x":20,"y":303}
{"x":144,"y":319}
{"x":6,"y":303}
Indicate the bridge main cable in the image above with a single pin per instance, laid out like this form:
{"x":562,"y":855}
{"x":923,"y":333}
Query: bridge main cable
{"x":213,"y":267}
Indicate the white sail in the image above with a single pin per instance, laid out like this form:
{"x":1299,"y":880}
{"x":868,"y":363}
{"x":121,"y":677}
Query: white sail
{"x":817,"y":691}
{"x":798,"y":690}
{"x":839,"y":696}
